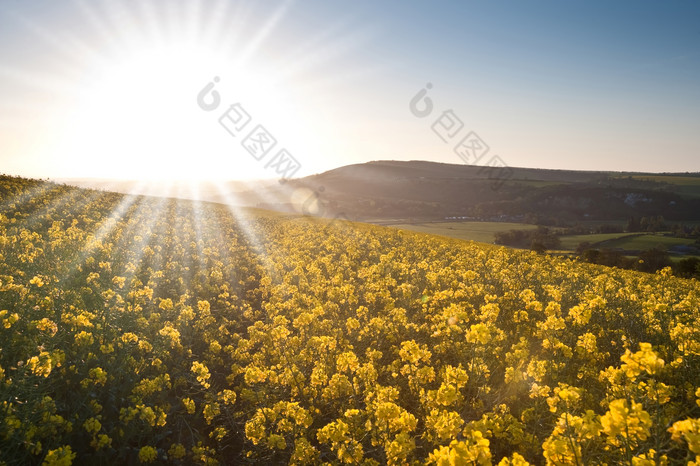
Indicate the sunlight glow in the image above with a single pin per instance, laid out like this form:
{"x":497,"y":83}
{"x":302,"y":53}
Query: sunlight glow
{"x":138,"y":119}
{"x":124,"y":96}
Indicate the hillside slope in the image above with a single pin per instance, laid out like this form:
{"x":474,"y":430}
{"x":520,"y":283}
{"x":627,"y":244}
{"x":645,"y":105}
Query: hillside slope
{"x":418,"y":191}
{"x":424,"y":191}
{"x":136,"y":329}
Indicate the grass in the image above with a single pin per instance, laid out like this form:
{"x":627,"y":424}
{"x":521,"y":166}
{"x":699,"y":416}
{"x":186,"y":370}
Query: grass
{"x":677,"y":259}
{"x":570,"y":242}
{"x":689,"y":190}
{"x":537,"y":183}
{"x":483,"y":232}
{"x":627,"y":241}
{"x":647,"y":241}
{"x":670,"y":179}
{"x":688,"y":186}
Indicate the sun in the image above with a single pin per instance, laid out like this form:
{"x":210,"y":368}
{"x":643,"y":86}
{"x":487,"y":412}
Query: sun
{"x":135,"y":113}
{"x":123,"y":81}
{"x":137,"y":116}
{"x":130,"y":115}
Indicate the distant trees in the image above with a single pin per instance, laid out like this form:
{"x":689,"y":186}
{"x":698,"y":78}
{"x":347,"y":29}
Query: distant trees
{"x":633,"y":225}
{"x":653,"y":259}
{"x":688,"y":267}
{"x":579,"y":229}
{"x":540,"y":240}
{"x":582,"y":247}
{"x":649,"y":261}
{"x":685,"y":231}
{"x":608,"y":257}
{"x":609,"y":228}
{"x":652,"y":223}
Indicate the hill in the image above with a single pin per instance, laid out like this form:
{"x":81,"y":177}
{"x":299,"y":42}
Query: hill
{"x":418,"y":191}
{"x":396,"y":191}
{"x":140,"y":329}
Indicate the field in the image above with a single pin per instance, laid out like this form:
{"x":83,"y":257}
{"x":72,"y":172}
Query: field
{"x":483,"y":232}
{"x":150,"y":330}
{"x":688,"y":186}
{"x":642,"y":242}
{"x":677,"y":180}
{"x":571,"y":242}
{"x":627,"y":241}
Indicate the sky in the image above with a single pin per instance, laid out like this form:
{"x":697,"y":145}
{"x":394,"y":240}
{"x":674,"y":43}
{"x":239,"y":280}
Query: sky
{"x":243,"y":89}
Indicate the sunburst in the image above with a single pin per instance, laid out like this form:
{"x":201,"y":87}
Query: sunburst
{"x":126,"y":83}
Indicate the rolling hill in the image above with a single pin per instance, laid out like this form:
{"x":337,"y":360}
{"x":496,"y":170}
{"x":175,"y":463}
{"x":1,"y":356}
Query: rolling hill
{"x":396,"y":191}
{"x":418,"y":191}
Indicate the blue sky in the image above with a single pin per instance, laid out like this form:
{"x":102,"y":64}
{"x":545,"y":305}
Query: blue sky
{"x":108,"y":88}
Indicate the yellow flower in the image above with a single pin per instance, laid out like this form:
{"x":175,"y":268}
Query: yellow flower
{"x":172,"y":334}
{"x":561,"y":450}
{"x":189,"y":405}
{"x":566,"y":395}
{"x":689,"y":429}
{"x":177,"y":451}
{"x":644,"y":360}
{"x":215,"y":347}
{"x":211,"y":410}
{"x":119,"y":281}
{"x":473,"y":450}
{"x":515,"y":460}
{"x":147,"y":454}
{"x":37,"y":281}
{"x":276,"y":441}
{"x":479,"y":333}
{"x":649,"y":459}
{"x":46,"y":325}
{"x":254,"y":374}
{"x":8,"y":321}
{"x":92,"y":425}
{"x":40,"y":365}
{"x":84,"y":338}
{"x":166,"y":304}
{"x":62,"y":456}
{"x":202,"y":373}
{"x":347,"y":361}
{"x":352,"y":324}
{"x":443,"y":425}
{"x":227,"y":396}
{"x":203,"y":307}
{"x":218,"y":433}
{"x":129,"y":337}
{"x":626,"y":420}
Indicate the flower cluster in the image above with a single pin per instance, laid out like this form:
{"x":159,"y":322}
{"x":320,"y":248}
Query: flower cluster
{"x":147,"y":330}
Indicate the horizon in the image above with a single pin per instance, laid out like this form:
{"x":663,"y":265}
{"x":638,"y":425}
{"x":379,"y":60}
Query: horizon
{"x":215,"y":180}
{"x":248,"y":92}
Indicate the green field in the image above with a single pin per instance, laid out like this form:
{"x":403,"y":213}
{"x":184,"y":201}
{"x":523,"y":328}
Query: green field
{"x":537,"y":183}
{"x":670,"y":179}
{"x":483,"y":232}
{"x":648,"y":241}
{"x":628,"y":241}
{"x":688,"y":186}
{"x":571,"y":242}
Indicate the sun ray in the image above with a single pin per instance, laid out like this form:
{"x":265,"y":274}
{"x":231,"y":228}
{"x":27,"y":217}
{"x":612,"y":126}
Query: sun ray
{"x":125,"y":85}
{"x":102,"y":233}
{"x":264,"y":31}
{"x":64,"y":200}
{"x":242,"y":221}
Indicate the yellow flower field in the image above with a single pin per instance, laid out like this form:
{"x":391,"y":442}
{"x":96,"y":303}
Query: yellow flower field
{"x":152,"y":330}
